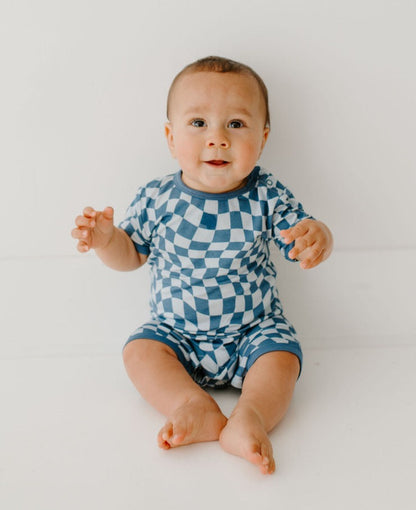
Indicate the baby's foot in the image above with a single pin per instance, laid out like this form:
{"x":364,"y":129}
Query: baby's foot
{"x":195,"y":421}
{"x":245,"y":436}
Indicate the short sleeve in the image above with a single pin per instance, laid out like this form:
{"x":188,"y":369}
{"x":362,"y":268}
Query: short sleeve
{"x":287,"y":213}
{"x":137,"y":222}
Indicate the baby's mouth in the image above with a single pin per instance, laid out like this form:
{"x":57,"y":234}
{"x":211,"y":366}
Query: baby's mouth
{"x":217,"y":162}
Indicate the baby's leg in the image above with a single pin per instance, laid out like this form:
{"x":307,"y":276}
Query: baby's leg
{"x":266,"y":394}
{"x":192,"y":414}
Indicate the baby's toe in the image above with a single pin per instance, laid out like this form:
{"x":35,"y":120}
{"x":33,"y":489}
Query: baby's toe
{"x":182,"y":432}
{"x":178,"y":435}
{"x":268,"y":464}
{"x":255,"y":454}
{"x":164,"y":437}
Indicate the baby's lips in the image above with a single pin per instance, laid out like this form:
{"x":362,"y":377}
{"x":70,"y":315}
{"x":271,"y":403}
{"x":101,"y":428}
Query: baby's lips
{"x":217,"y":162}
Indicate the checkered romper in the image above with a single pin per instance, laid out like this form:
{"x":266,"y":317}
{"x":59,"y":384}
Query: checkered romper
{"x":213,"y":295}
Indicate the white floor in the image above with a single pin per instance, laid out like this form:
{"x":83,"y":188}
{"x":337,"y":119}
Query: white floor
{"x":75,"y":434}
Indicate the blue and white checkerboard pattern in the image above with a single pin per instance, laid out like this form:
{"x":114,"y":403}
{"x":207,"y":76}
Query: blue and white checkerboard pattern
{"x":220,"y":360}
{"x":209,"y":254}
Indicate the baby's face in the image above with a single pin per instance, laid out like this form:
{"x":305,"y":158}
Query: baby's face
{"x":216,"y":129}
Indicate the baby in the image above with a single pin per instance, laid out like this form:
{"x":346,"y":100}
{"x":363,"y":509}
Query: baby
{"x":205,"y":231}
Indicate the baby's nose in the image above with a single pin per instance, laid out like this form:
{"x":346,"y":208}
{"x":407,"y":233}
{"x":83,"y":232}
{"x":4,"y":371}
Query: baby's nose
{"x":218,"y":139}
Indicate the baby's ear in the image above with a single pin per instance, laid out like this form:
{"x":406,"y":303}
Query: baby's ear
{"x":169,"y":138}
{"x":266,"y":132}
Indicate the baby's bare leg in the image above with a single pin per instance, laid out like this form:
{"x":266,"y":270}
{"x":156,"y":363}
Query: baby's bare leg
{"x":192,"y":414}
{"x":266,"y":395}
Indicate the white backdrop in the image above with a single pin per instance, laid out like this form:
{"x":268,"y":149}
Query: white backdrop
{"x":83,"y":91}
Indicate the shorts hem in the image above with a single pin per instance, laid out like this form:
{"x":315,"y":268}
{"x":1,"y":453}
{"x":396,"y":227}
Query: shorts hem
{"x":162,"y":340}
{"x":264,"y":349}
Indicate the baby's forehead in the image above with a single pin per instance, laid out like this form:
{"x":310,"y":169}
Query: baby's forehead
{"x":203,"y":89}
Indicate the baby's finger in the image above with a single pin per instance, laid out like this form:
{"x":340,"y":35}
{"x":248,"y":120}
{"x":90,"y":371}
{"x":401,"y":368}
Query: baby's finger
{"x":300,"y":245}
{"x":287,"y":235}
{"x":83,"y":247}
{"x":105,"y":221}
{"x":89,"y":212}
{"x":83,"y":221}
{"x":76,"y":233}
{"x":79,"y":233}
{"x":312,"y":256}
{"x":293,"y":233}
{"x":108,"y":213}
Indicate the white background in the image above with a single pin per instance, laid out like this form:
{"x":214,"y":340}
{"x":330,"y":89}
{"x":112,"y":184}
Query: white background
{"x":83,"y":86}
{"x":83,"y":91}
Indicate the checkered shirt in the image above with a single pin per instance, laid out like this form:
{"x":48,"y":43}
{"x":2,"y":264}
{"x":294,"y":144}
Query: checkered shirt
{"x":209,"y":254}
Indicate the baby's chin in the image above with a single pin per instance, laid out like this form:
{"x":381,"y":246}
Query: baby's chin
{"x":214,"y":176}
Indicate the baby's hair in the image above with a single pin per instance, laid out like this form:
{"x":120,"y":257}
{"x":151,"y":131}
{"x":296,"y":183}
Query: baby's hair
{"x":215,"y":64}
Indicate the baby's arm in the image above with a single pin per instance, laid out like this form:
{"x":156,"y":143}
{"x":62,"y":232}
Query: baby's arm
{"x":96,"y":230}
{"x":313,"y":242}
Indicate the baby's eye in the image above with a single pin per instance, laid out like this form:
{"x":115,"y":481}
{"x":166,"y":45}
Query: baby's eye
{"x":236,"y":124}
{"x":198,"y":123}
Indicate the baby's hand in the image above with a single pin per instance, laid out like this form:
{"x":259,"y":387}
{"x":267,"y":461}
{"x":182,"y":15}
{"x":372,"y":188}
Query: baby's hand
{"x":94,"y":229}
{"x":313,"y":242}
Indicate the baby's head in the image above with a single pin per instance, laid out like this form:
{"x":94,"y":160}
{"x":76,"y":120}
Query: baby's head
{"x":218,"y":123}
{"x":215,"y":64}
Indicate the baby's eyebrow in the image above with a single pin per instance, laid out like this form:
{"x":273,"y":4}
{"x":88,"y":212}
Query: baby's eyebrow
{"x":243,"y":111}
{"x":194,"y":109}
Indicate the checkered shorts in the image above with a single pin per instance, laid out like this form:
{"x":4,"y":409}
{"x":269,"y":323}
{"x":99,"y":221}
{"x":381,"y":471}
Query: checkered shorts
{"x":221,"y":359}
